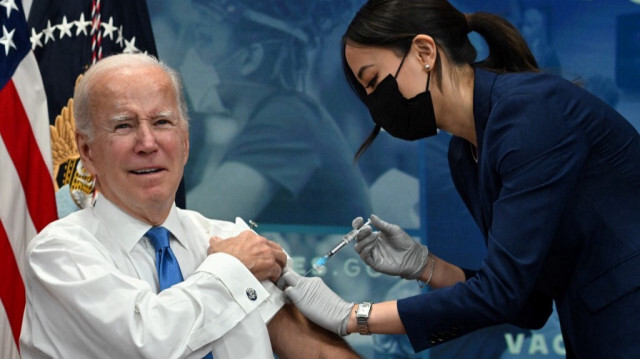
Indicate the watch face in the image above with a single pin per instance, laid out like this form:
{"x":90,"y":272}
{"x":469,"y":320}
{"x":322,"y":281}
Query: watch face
{"x":363,"y":309}
{"x":362,"y":316}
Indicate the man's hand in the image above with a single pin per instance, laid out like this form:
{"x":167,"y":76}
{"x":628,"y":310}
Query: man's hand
{"x":391,"y":250}
{"x":264,"y":258}
{"x":317,"y":302}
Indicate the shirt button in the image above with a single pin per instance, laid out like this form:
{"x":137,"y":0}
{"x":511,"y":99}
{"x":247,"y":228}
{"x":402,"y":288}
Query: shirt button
{"x":251,"y":294}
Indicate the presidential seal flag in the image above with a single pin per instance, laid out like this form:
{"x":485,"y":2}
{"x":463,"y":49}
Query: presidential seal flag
{"x":27,"y":201}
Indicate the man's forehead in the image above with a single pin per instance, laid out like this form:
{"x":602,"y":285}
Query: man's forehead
{"x":132,"y":83}
{"x":128,"y":71}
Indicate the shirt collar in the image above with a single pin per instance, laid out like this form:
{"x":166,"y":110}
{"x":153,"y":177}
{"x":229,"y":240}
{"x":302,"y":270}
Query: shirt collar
{"x":129,"y":230}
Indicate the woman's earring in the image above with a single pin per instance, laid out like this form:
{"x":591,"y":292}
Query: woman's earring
{"x":427,"y":67}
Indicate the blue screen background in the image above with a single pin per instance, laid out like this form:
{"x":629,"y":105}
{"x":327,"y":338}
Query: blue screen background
{"x":274,"y":141}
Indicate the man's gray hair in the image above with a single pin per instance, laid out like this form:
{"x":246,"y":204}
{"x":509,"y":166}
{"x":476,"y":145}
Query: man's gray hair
{"x":82,"y":93}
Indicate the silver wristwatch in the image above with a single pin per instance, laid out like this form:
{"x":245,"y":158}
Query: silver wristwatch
{"x":362,"y":316}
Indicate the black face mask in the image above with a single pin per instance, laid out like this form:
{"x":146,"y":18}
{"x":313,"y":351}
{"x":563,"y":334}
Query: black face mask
{"x":407,"y":119}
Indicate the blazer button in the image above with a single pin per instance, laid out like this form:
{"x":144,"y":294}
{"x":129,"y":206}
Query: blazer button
{"x":251,"y":294}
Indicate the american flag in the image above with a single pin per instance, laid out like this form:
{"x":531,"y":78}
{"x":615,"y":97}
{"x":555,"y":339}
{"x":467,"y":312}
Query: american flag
{"x":27,"y":202}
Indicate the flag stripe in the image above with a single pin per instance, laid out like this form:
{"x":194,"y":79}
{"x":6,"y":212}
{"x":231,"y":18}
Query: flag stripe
{"x":13,"y":208}
{"x":28,"y":83}
{"x":17,"y":225}
{"x":27,"y":159}
{"x":11,"y":287}
{"x":8,"y":346}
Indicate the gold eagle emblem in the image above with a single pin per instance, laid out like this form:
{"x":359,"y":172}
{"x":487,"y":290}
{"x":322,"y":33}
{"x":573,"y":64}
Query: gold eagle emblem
{"x":67,"y":166}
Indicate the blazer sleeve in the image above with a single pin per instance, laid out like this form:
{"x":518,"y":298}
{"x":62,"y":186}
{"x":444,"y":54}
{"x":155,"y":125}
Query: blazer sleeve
{"x":534,"y":158}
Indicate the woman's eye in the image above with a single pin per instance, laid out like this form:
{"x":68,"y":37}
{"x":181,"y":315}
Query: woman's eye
{"x":372,"y":82}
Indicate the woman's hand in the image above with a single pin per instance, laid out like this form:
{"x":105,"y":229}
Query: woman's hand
{"x":317,"y":301}
{"x":390,"y":250}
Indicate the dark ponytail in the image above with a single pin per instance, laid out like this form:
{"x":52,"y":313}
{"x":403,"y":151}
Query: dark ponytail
{"x":508,"y":51}
{"x":393,"y":24}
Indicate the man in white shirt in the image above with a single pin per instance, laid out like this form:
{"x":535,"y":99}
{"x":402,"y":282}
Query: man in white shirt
{"x":92,"y":286}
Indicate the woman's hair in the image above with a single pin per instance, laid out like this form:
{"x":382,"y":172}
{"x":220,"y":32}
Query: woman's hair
{"x":393,"y":24}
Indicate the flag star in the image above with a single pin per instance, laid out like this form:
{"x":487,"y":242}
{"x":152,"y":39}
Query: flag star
{"x":48,"y":32}
{"x":9,"y":4}
{"x":130,"y":46}
{"x":120,"y":40}
{"x":35,"y":39}
{"x":81,"y":25}
{"x":7,"y":39}
{"x":65,"y":27}
{"x":109,"y":28}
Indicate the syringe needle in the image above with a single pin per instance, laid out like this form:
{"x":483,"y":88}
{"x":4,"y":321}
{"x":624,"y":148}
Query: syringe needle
{"x":309,"y":271}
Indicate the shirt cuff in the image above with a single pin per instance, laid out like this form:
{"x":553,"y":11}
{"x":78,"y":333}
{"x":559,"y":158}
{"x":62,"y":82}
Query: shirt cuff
{"x":272,"y":305}
{"x":245,"y":289}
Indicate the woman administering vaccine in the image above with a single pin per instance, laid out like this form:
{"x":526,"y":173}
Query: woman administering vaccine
{"x":550,"y":173}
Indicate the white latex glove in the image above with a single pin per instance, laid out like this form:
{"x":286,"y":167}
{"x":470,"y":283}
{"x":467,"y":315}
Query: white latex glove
{"x":390,"y":250}
{"x":317,"y":302}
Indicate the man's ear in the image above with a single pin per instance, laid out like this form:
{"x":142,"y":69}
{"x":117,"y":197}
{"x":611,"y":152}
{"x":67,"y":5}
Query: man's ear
{"x":186,"y":145}
{"x":252,"y":59}
{"x":84,"y":150}
{"x":425,"y":48}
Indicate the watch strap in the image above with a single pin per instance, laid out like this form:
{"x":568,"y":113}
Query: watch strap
{"x":362,"y":317}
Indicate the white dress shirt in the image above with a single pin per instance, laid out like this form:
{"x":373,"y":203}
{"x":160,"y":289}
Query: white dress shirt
{"x":92,"y":291}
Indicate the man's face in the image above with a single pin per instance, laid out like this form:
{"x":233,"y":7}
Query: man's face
{"x":140,"y":143}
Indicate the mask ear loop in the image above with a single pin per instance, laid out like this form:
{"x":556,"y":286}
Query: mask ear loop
{"x":401,"y":62}
{"x":426,"y":68}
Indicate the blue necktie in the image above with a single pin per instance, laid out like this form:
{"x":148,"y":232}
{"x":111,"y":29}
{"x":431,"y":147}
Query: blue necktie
{"x":166,"y":263}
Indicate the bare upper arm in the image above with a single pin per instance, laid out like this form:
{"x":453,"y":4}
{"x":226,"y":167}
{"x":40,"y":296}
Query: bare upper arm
{"x":294,"y":336}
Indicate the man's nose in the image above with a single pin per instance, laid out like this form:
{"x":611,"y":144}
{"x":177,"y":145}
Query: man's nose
{"x":146,"y":138}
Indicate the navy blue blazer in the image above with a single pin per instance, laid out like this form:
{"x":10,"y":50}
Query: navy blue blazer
{"x":556,"y":193}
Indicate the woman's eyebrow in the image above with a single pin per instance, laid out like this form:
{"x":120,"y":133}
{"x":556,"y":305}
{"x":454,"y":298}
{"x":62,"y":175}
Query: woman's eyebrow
{"x":362,"y":70}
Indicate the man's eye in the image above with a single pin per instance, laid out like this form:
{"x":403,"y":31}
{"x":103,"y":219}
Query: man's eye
{"x":162,"y":122}
{"x":122,"y":126}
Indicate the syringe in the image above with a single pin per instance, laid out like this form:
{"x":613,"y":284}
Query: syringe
{"x":320,"y":262}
